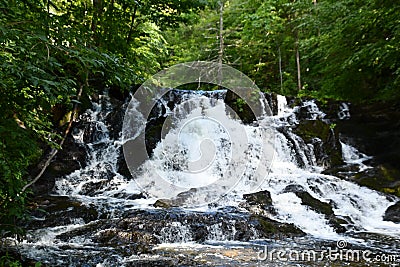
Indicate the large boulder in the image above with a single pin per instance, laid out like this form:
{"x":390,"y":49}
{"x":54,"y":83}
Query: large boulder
{"x":393,"y":213}
{"x":375,"y":130}
{"x":50,"y":211}
{"x":261,"y":207}
{"x":325,"y":140}
{"x":259,"y":201}
{"x":383,"y":178}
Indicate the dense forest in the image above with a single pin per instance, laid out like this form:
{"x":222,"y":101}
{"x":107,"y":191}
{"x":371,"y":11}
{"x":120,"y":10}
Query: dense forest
{"x":54,"y":54}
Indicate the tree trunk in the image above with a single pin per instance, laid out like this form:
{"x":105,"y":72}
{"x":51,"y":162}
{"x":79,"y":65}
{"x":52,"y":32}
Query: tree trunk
{"x":298,"y":63}
{"x":128,"y":38}
{"x":97,"y":12}
{"x":221,"y":40}
{"x":280,"y":68}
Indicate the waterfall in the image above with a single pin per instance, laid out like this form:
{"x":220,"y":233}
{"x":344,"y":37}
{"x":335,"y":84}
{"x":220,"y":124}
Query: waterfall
{"x":293,"y":163}
{"x":196,"y":149}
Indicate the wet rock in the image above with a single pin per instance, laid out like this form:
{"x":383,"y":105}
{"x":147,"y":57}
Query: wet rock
{"x":138,"y":241}
{"x":375,"y":130}
{"x":181,"y":226}
{"x":260,"y":200}
{"x":122,"y":167}
{"x":163,"y":203}
{"x":319,"y":206}
{"x":382,"y":178}
{"x":161,"y":262}
{"x":325,"y":140}
{"x":91,"y":188}
{"x":260,"y":205}
{"x":182,"y":199}
{"x":153,"y":132}
{"x":200,"y":232}
{"x":85,"y":232}
{"x":115,"y":118}
{"x":240,"y":107}
{"x":69,"y":159}
{"x":272,"y":102}
{"x":343,"y":171}
{"x":309,"y":111}
{"x":310,"y":201}
{"x":59,"y":210}
{"x":393,"y":213}
{"x":271,"y":228}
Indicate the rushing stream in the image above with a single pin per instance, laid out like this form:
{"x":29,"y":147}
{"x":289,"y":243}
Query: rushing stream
{"x":221,"y":233}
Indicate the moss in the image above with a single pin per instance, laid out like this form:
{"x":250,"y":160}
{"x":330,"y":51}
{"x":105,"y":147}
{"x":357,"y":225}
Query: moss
{"x":163,"y":203}
{"x":267,"y":227}
{"x":311,"y":129}
{"x":315,"y":204}
{"x":272,"y":228}
{"x":383,"y":178}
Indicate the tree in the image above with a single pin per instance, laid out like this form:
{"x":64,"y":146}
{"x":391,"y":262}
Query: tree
{"x":355,"y":55}
{"x":51,"y":51}
{"x":346,"y":49}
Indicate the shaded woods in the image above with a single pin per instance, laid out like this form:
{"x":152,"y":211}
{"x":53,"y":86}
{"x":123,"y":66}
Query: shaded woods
{"x":53,"y":51}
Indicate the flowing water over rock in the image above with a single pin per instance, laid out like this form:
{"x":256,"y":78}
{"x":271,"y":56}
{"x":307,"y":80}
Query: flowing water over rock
{"x":99,"y":216}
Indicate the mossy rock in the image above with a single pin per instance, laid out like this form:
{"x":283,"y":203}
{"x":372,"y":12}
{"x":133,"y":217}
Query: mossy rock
{"x":308,"y":200}
{"x":319,"y":206}
{"x":329,"y":150}
{"x":383,"y":178}
{"x":393,"y":213}
{"x":260,"y":199}
{"x":309,"y":129}
{"x":273,"y":228}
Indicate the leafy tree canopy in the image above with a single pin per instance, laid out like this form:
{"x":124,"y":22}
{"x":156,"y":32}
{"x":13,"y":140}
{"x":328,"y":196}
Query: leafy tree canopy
{"x":51,"y":50}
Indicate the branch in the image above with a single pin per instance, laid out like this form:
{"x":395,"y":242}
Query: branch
{"x":54,"y":151}
{"x":128,"y":38}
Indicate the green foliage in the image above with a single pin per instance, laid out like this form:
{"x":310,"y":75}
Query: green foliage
{"x":9,"y":261}
{"x":348,"y":50}
{"x":354,"y":56}
{"x":257,"y":34}
{"x":52,"y":49}
{"x":17,"y":152}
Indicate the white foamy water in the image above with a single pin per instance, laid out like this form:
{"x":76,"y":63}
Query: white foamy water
{"x":293,"y":163}
{"x":352,"y":156}
{"x":204,"y":145}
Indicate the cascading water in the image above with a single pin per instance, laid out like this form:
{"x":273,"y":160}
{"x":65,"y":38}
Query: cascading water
{"x":294,"y":165}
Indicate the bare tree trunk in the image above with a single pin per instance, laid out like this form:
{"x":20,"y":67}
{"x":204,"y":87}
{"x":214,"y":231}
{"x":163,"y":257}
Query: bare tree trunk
{"x":298,"y":63}
{"x":48,"y":19}
{"x":221,"y":40}
{"x":280,"y":68}
{"x":97,"y":12}
{"x":133,"y":18}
